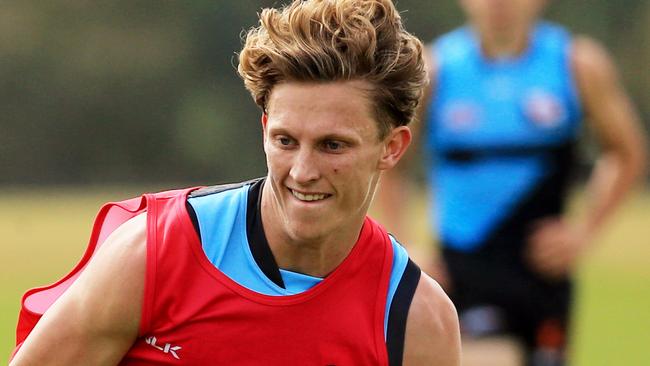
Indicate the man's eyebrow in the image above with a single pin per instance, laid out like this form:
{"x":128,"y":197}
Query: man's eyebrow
{"x":335,"y":136}
{"x":347,"y":139}
{"x":279,"y":130}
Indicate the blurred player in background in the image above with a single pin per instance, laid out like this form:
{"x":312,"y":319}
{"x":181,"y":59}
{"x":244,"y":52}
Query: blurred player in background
{"x":282,"y":270}
{"x":502,"y":116}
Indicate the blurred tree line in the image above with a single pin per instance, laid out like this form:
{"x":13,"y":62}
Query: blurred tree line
{"x":147,"y":91}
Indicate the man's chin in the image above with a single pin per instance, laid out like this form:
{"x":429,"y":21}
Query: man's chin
{"x":308,"y":230}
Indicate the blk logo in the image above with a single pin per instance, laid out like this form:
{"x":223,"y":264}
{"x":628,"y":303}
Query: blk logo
{"x":167,"y":348}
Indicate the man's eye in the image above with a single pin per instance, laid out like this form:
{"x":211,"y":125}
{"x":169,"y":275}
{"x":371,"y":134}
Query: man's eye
{"x":285,"y":141}
{"x":333,"y":145}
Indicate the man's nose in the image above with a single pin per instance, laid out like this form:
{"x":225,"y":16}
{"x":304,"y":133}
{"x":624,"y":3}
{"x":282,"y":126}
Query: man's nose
{"x":304,"y":168}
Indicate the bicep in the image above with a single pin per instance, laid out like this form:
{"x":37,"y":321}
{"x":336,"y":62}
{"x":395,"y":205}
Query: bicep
{"x":97,"y":319}
{"x":610,"y":112}
{"x":432,"y":330}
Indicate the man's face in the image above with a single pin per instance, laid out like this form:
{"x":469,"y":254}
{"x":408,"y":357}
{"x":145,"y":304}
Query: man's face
{"x":500,"y":15}
{"x":324,"y":156}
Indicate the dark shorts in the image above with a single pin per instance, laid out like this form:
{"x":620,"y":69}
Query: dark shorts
{"x":495,"y":293}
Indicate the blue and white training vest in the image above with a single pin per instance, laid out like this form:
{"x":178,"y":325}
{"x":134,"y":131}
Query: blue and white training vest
{"x":500,"y":132}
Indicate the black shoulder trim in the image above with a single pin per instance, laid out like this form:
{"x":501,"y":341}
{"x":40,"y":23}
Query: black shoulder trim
{"x":398,"y":313}
{"x":221,"y":188}
{"x":257,"y":241}
{"x":195,"y":220}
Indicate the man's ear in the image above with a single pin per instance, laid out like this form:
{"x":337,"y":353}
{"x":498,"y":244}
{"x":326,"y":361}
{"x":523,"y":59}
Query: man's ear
{"x":264,"y":119}
{"x":395,"y":145}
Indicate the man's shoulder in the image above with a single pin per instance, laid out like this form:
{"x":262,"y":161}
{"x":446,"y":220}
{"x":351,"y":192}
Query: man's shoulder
{"x":590,"y":56}
{"x":432,"y":330}
{"x":431,"y":305}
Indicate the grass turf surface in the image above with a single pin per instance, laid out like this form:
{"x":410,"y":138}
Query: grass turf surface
{"x":44,"y":233}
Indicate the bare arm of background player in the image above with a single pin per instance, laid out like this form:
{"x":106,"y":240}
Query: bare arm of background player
{"x":556,"y":245}
{"x":96,"y":320}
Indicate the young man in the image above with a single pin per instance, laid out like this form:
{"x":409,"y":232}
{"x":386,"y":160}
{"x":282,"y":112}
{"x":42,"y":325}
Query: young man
{"x":506,"y":97}
{"x":285,"y":270}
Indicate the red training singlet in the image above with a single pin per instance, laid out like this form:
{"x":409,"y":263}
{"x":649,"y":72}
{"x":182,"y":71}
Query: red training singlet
{"x":193,"y":314}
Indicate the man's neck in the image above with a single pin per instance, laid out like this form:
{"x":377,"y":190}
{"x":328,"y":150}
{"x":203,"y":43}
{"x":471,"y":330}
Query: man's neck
{"x":316,"y":256}
{"x":316,"y":259}
{"x":505,"y":44}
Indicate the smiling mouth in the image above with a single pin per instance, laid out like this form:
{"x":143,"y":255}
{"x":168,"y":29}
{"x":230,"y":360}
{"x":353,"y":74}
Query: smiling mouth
{"x":309,"y":197}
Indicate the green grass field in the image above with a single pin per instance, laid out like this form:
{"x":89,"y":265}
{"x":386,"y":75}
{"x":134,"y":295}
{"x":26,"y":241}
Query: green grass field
{"x":44,"y":233}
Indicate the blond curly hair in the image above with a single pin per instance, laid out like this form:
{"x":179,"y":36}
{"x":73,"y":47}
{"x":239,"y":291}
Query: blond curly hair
{"x":337,"y":40}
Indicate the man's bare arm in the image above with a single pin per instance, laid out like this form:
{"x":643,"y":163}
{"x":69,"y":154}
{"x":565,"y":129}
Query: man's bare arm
{"x":616,"y":124}
{"x":96,"y":320}
{"x":432,"y":330}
